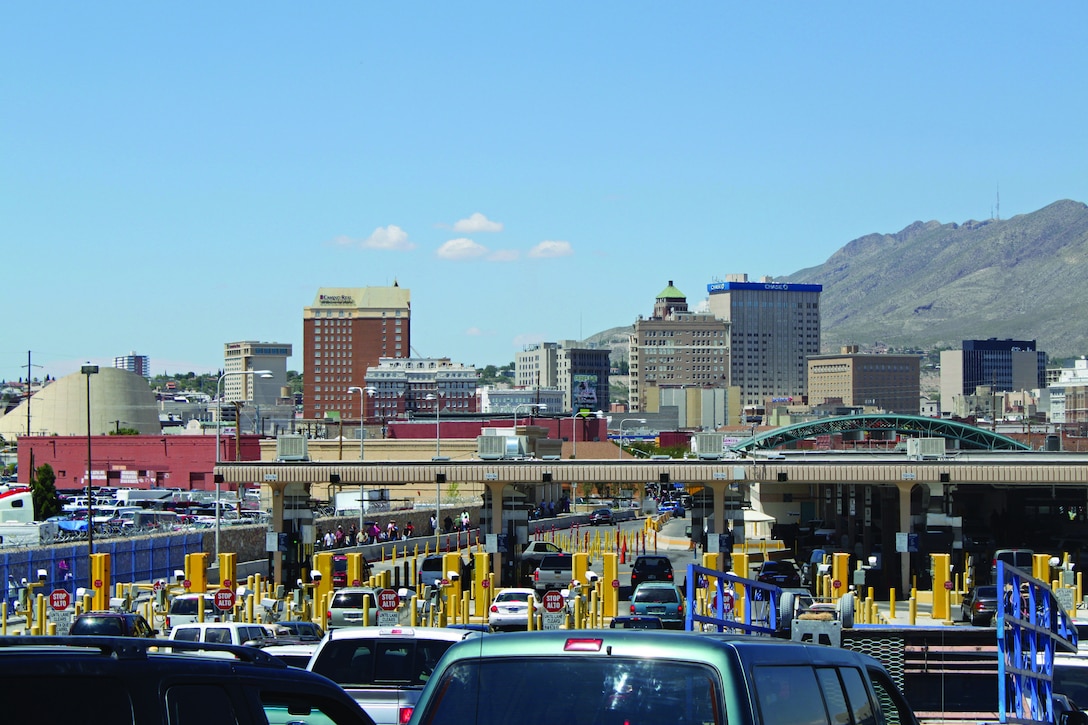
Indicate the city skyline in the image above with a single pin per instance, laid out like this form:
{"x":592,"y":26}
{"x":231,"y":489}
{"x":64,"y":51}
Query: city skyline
{"x":176,"y":178}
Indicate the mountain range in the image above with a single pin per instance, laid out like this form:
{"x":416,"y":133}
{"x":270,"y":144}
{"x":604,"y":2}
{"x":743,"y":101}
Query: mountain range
{"x":933,"y":285}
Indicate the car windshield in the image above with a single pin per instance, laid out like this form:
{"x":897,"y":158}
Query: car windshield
{"x":604,"y":690}
{"x":380,"y":661}
{"x":654,"y":594}
{"x":98,"y":625}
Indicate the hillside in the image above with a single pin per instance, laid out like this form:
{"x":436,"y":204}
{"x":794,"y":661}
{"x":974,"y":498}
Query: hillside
{"x":934,"y":285}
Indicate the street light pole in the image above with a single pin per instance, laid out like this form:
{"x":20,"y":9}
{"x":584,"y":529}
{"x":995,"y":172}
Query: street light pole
{"x":87,"y":370}
{"x":218,"y":428}
{"x":538,"y":406}
{"x":625,"y":420}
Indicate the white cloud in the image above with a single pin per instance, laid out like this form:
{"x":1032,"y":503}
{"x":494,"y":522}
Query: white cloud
{"x":549,"y":249}
{"x":390,"y":237}
{"x":461,"y":248}
{"x":477,"y":222}
{"x":503,"y":255}
{"x":477,"y":332}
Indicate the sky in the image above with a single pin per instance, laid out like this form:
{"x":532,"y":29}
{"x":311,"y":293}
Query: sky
{"x":175,"y":176}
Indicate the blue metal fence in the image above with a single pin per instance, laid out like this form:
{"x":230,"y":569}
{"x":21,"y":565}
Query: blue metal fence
{"x":132,"y":559}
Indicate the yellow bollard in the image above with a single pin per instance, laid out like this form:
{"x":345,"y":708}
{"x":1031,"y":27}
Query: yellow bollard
{"x":912,"y":609}
{"x":891,"y":604}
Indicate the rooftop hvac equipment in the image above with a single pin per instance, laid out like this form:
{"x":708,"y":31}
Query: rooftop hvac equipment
{"x":491,"y":447}
{"x":708,"y":446}
{"x":291,"y":447}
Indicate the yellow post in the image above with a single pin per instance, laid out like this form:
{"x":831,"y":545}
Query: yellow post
{"x":941,"y":586}
{"x":228,"y":569}
{"x":355,"y":569}
{"x":481,"y":572}
{"x":578,"y":566}
{"x":1040,"y":567}
{"x":451,"y":562}
{"x":196,"y":571}
{"x":891,"y":604}
{"x":322,"y":585}
{"x":840,"y":573}
{"x":912,"y":611}
{"x":532,"y":614}
{"x":100,"y":581}
{"x":610,"y":572}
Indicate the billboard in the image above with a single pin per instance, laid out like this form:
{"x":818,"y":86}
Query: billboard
{"x":585,"y":391}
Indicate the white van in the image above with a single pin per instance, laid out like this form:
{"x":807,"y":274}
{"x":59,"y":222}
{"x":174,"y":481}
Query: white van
{"x":185,"y":609}
{"x":220,"y":633}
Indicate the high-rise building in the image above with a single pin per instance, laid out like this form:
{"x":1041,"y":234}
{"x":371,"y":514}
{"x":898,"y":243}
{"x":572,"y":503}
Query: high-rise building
{"x":676,"y":347}
{"x":1001,"y":365}
{"x":345,"y":331}
{"x":773,"y":328}
{"x":890,"y":383}
{"x":139,"y":364}
{"x":399,"y":385}
{"x":580,"y":372}
{"x":250,"y":355}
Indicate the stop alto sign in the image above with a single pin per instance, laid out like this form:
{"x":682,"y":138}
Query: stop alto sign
{"x":388,"y":601}
{"x":59,"y":599}
{"x":224,"y":599}
{"x":552,"y":601}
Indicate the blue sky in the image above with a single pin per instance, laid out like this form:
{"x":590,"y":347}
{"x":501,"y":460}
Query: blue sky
{"x":176,"y":176}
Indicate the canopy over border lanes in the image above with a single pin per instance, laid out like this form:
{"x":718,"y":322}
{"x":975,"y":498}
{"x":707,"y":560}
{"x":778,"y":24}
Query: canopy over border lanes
{"x":969,"y":437}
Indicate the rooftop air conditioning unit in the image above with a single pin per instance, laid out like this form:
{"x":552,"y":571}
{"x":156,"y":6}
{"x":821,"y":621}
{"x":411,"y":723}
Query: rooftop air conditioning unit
{"x":291,"y":447}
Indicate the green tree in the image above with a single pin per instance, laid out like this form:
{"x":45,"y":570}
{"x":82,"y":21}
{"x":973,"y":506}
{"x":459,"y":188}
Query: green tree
{"x":124,"y":432}
{"x":43,"y":490}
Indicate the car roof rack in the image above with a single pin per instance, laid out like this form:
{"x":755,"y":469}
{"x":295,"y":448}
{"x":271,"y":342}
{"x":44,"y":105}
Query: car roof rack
{"x":136,"y":648}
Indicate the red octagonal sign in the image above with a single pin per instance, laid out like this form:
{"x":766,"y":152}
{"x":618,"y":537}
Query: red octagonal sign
{"x":224,"y":599}
{"x":59,"y":599}
{"x":388,"y":600}
{"x":552,"y":601}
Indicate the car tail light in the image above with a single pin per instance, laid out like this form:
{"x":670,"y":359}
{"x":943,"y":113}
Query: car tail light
{"x":536,"y":575}
{"x":167,"y":625}
{"x":632,"y":609}
{"x":328,"y":616}
{"x":405,"y":715}
{"x":669,"y":575}
{"x":583,"y":645}
{"x":494,"y":607}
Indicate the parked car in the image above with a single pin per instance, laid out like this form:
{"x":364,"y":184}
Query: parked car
{"x":236,"y":633}
{"x":384,"y":668}
{"x":112,"y":624}
{"x":302,"y":630}
{"x":659,"y":599}
{"x":433,"y":568}
{"x":1020,"y":558}
{"x":618,"y":676}
{"x":510,"y":608}
{"x":185,"y":609}
{"x":651,"y":568}
{"x":782,"y":573}
{"x":130,"y":680}
{"x":347,"y":609}
{"x":601,"y":516}
{"x":555,"y":572}
{"x":979,"y":605}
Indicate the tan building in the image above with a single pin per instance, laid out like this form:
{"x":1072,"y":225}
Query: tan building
{"x":676,"y":347}
{"x":345,"y":331}
{"x":248,"y":355}
{"x":891,"y":383}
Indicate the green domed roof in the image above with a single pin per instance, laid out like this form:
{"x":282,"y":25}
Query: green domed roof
{"x":670,"y":292}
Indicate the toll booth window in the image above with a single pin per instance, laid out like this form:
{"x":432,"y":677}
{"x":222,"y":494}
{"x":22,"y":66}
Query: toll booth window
{"x":206,"y":704}
{"x":789,"y":694}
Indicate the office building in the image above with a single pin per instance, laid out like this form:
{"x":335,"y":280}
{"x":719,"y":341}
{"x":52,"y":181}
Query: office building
{"x":403,"y":385}
{"x":346,"y":331}
{"x":773,"y":329}
{"x":676,"y":347}
{"x":250,"y":355}
{"x":1000,"y":365}
{"x":139,"y":364}
{"x":580,"y":372}
{"x":885,"y":383}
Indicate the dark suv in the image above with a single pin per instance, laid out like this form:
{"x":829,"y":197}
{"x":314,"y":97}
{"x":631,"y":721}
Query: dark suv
{"x":649,"y":568}
{"x":780,"y":573}
{"x":112,"y":624}
{"x":124,"y":680}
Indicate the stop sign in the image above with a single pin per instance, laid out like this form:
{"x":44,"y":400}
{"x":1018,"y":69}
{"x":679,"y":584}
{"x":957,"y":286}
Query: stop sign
{"x":224,"y":599}
{"x":948,"y":585}
{"x":485,"y":583}
{"x":388,"y":601}
{"x":552,"y":601}
{"x":59,"y":599}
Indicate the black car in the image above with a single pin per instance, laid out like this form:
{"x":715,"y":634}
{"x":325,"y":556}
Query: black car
{"x":302,"y":630}
{"x":601,"y":516}
{"x":111,"y":624}
{"x":651,"y":568}
{"x":126,"y":680}
{"x":780,"y":573}
{"x":979,"y":606}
